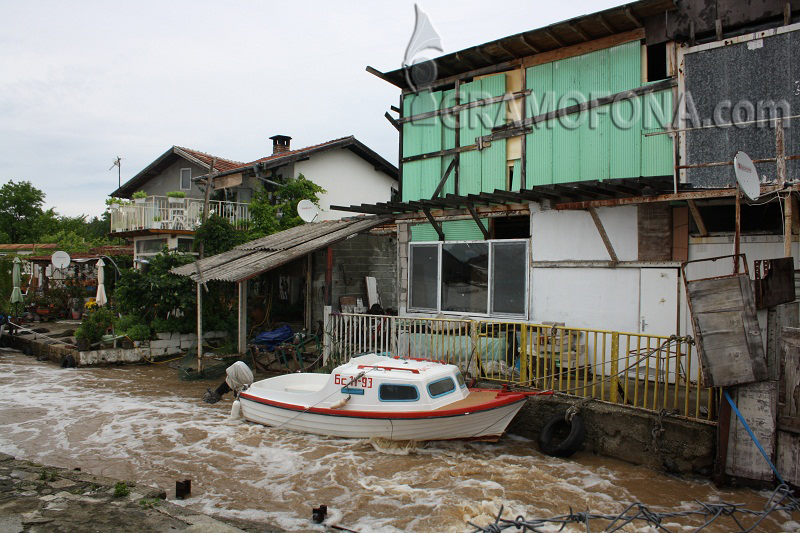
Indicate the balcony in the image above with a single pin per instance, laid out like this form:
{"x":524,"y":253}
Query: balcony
{"x":163,"y":213}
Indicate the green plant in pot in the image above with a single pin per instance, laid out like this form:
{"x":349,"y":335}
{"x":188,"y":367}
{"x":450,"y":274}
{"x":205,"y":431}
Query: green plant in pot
{"x":95,"y":323}
{"x":139,"y":197}
{"x":176,"y":197}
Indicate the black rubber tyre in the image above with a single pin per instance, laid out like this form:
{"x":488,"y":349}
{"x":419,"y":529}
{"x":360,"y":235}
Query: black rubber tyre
{"x":27,"y":350}
{"x":560,"y":438}
{"x":68,"y":361}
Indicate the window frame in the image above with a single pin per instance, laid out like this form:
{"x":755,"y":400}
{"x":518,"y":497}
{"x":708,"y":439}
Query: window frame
{"x":446,"y":378}
{"x":180,"y":179}
{"x":490,"y":281}
{"x":382,"y":385}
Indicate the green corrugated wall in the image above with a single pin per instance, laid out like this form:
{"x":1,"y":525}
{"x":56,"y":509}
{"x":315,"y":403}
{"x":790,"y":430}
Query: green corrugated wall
{"x":454,"y":230}
{"x":591,"y":146}
{"x":580,"y":147}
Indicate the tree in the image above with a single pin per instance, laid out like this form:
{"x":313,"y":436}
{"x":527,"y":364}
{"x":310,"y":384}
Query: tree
{"x":20,"y":211}
{"x":217,"y":235}
{"x":274,"y":211}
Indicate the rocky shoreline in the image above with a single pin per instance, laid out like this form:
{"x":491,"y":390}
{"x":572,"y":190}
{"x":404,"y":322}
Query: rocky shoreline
{"x":37,"y":498}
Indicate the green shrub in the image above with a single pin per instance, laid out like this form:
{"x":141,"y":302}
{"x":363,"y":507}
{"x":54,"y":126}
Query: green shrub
{"x":139,"y":332}
{"x":176,"y":194}
{"x":139,"y":194}
{"x":126,"y":322}
{"x":94,"y":325}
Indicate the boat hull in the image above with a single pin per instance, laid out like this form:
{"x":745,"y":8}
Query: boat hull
{"x":477,"y":423}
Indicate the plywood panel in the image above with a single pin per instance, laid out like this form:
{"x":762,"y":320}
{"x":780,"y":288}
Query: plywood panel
{"x":758,"y":404}
{"x":726,"y":331}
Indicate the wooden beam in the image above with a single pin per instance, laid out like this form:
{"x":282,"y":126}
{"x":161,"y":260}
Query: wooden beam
{"x":555,"y":37}
{"x":603,"y":235}
{"x":433,"y":222}
{"x":698,"y":218}
{"x":524,"y":40}
{"x":378,"y":73}
{"x":681,"y":196}
{"x":605,"y":23}
{"x":455,"y":109}
{"x":491,"y":69}
{"x":442,"y":181}
{"x":583,"y":48}
{"x":633,"y":17}
{"x":478,"y":221}
{"x":392,"y":121}
{"x":586,"y":106}
{"x":577,"y":29}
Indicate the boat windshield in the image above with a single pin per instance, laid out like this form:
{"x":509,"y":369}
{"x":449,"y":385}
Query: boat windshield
{"x":460,"y":379}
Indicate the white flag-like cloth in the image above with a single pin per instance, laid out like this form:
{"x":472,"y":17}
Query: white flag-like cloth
{"x":101,"y":289}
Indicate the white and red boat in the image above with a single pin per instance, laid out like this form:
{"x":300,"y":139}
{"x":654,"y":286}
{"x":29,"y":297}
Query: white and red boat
{"x":379,"y":396}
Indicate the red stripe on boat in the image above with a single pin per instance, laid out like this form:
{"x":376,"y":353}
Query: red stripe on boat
{"x":500,"y":401}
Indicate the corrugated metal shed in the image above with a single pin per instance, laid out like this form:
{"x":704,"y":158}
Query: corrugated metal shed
{"x":255,"y":257}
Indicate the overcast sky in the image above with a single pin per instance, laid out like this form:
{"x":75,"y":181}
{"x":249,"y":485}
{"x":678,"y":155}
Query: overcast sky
{"x":83,"y":82}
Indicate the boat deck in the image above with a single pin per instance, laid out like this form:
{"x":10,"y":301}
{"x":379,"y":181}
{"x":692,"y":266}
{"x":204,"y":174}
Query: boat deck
{"x":474,"y":399}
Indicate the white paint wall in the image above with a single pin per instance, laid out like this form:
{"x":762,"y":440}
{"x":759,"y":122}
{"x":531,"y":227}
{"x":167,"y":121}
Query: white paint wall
{"x":347,"y":180}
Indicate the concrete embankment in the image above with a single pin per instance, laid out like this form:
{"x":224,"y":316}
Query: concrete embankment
{"x":36,"y":498}
{"x":669,"y":443}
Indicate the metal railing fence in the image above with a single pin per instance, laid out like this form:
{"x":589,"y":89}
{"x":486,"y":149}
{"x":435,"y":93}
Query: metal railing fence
{"x":646,"y":371}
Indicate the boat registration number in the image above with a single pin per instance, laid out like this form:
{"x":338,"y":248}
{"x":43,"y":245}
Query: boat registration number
{"x":364,"y":382}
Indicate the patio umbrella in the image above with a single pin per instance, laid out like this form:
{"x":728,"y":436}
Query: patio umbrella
{"x":16,"y":293}
{"x":101,"y":289}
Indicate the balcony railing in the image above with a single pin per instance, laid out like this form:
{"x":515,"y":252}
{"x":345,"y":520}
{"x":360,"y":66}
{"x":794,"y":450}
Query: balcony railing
{"x":161,"y":212}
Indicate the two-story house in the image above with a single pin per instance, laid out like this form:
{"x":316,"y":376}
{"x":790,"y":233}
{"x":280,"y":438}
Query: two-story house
{"x":173,"y":194}
{"x":559,"y":175}
{"x":565,"y":174}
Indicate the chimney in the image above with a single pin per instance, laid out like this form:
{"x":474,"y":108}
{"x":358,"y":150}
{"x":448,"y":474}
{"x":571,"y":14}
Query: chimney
{"x":280,"y":144}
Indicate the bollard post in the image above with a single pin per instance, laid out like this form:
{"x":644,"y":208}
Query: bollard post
{"x":614,"y":382}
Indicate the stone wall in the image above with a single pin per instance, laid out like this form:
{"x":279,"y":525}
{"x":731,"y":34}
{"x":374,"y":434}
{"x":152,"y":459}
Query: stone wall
{"x":353,"y":260}
{"x":683,"y":447}
{"x":166,"y":344}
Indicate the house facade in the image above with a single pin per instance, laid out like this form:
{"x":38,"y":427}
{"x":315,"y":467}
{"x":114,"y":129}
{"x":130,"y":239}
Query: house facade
{"x":577,"y":174}
{"x":173,"y":189}
{"x":564,"y":173}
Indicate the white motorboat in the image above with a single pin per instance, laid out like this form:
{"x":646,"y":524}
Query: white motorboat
{"x":379,"y":396}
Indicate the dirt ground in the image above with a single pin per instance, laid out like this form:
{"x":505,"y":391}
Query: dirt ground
{"x":36,"y":498}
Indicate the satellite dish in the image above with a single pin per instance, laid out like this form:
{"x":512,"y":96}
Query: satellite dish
{"x":60,"y":260}
{"x":746,"y":175}
{"x":307,"y":210}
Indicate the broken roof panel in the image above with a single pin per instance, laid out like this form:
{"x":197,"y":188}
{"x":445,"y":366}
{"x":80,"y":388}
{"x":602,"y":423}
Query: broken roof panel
{"x":253,"y":258}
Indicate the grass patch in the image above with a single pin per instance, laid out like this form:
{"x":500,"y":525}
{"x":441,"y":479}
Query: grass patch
{"x":149,"y":503}
{"x":47,"y":475}
{"x":121,"y":489}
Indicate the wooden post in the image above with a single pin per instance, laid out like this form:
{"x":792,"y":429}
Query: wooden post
{"x":242,"y":340}
{"x":209,"y":180}
{"x":787,"y":224}
{"x":738,"y":233}
{"x":199,"y":328}
{"x":780,"y":162}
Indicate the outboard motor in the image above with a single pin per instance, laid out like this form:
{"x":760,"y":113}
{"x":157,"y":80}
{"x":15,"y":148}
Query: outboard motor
{"x":239,"y":378}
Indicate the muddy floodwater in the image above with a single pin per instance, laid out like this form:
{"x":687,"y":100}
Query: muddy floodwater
{"x":142,"y":424}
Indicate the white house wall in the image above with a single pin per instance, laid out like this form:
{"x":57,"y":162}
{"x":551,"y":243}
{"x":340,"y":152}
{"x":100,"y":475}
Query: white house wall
{"x":572,"y":235}
{"x":347,"y":179}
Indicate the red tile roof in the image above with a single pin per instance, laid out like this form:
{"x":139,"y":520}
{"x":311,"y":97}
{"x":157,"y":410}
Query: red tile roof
{"x":221,"y":164}
{"x":32,"y":247}
{"x":298,"y":151}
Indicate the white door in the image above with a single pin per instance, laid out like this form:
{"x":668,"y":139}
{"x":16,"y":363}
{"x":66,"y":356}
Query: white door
{"x":658,"y":315}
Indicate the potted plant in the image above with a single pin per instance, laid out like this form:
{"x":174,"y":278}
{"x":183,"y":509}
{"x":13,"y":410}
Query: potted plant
{"x":176,"y":197}
{"x":113,"y":203}
{"x":139,"y":197}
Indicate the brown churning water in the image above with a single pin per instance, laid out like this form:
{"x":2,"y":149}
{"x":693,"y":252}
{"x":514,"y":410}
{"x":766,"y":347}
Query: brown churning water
{"x":142,"y":424}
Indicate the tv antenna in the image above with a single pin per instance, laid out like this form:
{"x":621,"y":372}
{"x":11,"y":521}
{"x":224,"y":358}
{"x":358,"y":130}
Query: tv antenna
{"x":117,"y":163}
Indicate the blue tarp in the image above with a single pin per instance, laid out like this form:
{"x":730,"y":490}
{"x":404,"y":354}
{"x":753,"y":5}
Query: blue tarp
{"x":270,"y":339}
